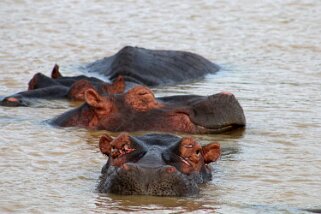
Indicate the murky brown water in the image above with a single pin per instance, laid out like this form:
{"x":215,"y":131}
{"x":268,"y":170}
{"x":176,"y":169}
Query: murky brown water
{"x":271,"y":55}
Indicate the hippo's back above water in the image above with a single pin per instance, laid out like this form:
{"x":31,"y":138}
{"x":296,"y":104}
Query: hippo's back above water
{"x":154,"y":67}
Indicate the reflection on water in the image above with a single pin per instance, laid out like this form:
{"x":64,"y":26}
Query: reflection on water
{"x":143,"y":203}
{"x":270,"y":55}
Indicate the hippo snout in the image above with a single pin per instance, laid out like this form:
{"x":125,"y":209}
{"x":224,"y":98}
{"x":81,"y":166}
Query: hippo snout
{"x":166,"y":180}
{"x":219,"y":111}
{"x":13,"y":101}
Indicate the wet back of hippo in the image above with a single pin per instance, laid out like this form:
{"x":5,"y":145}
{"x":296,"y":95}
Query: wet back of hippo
{"x":154,"y":67}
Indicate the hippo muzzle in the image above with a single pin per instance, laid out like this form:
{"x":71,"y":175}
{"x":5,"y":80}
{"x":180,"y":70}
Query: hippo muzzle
{"x":218,"y":111}
{"x":134,"y":179}
{"x":214,"y":114}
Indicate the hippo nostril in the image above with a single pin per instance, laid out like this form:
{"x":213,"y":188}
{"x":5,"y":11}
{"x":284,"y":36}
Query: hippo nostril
{"x":125,"y":167}
{"x":12,"y":99}
{"x":226,"y":93}
{"x":170,"y":169}
{"x":130,"y":167}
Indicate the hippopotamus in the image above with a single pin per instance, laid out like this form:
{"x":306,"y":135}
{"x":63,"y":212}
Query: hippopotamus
{"x":139,"y":110}
{"x":59,"y":87}
{"x":138,"y":66}
{"x":153,"y":67}
{"x":155,"y":164}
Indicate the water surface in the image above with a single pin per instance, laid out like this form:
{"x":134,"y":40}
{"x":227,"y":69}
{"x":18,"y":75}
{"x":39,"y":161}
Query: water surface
{"x":270,"y":55}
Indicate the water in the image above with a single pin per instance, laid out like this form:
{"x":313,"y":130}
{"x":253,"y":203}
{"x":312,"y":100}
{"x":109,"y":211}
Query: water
{"x":270,"y":54}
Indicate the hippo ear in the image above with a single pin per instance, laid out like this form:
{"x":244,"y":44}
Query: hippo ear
{"x":118,"y":86}
{"x":55,"y":74}
{"x":32,"y":84}
{"x":105,"y":144}
{"x":101,"y":104}
{"x":211,"y":152}
{"x":93,"y":98}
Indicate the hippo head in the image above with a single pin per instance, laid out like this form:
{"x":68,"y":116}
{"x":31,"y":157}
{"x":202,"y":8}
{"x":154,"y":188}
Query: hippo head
{"x":138,"y":109}
{"x":40,"y":80}
{"x":77,"y":90}
{"x":155,"y":164}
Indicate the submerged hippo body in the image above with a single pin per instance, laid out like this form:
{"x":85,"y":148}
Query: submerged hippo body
{"x":138,"y":110}
{"x":155,"y":164}
{"x":59,"y":87}
{"x":153,"y":67}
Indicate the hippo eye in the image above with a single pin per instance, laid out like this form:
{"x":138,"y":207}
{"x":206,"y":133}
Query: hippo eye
{"x":142,"y":93}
